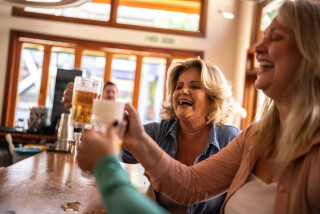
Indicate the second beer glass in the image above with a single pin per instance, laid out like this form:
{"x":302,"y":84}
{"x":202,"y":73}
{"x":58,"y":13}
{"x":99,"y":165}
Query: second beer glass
{"x":84,"y":92}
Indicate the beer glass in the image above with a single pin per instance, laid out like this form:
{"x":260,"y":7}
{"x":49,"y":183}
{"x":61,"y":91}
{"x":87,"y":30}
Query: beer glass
{"x":84,"y":92}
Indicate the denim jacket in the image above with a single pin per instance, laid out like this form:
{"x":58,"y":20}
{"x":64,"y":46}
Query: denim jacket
{"x":165,"y":134}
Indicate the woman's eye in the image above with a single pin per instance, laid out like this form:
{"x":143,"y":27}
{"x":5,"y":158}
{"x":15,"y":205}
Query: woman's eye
{"x":178,"y":87}
{"x":195,"y":87}
{"x":275,"y":39}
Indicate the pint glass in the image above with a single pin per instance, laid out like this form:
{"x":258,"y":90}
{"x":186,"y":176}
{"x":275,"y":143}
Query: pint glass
{"x":84,"y":92}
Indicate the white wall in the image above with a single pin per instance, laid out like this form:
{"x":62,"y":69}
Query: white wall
{"x":225,"y":43}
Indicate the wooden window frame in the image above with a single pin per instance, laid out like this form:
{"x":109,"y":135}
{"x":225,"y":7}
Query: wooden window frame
{"x":250,"y":95}
{"x":113,"y":17}
{"x":14,"y":56}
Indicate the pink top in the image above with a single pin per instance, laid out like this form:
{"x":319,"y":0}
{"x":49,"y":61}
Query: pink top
{"x":255,"y":196}
{"x":298,"y":188}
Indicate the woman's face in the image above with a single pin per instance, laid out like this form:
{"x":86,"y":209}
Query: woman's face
{"x":190,"y":102}
{"x":278,"y":58}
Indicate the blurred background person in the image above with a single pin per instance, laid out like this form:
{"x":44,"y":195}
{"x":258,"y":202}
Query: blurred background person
{"x":110,"y":92}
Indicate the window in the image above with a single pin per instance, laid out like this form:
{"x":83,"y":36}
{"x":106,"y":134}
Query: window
{"x":269,"y":12}
{"x":60,"y":58}
{"x":253,"y":99}
{"x":29,"y":79}
{"x":151,"y":88}
{"x":138,"y":72}
{"x":182,"y":15}
{"x":261,"y":97}
{"x":89,"y":10}
{"x":123,"y":75}
{"x":93,"y":63}
{"x":169,"y":16}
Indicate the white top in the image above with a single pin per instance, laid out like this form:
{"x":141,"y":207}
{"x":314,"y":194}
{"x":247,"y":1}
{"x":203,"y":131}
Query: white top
{"x":255,"y":196}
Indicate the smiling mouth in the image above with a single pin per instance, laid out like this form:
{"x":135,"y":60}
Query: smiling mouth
{"x":266,"y":64}
{"x":185,"y":103}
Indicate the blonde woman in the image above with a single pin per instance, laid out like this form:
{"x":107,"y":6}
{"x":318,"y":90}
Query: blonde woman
{"x":198,"y":103}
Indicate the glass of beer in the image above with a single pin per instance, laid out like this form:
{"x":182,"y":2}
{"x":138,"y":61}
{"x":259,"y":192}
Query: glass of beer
{"x":84,"y":92}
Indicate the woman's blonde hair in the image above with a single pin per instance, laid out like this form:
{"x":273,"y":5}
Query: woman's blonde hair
{"x":213,"y":83}
{"x":303,"y":120}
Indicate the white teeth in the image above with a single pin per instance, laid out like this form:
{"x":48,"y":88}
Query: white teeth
{"x":185,"y":101}
{"x":266,"y":64}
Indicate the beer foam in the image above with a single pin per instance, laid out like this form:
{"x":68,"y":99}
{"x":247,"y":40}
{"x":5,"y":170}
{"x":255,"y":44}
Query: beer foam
{"x":88,"y":85}
{"x":107,"y":111}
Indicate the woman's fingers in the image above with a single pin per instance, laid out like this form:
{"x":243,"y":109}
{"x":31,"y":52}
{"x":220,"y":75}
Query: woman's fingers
{"x":95,"y":145}
{"x":70,"y":85}
{"x":132,"y":113}
{"x":67,"y":96}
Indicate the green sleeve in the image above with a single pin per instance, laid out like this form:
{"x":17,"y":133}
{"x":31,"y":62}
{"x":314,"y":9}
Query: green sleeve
{"x":119,"y":196}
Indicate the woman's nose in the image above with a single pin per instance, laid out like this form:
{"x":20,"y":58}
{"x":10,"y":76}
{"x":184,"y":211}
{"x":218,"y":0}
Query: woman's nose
{"x":184,"y":90}
{"x":260,"y":47}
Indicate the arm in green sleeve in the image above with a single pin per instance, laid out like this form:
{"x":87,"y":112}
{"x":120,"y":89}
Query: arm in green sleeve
{"x":118,"y":195}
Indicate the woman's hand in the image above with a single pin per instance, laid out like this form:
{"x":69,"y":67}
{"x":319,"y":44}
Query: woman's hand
{"x":67,"y":96}
{"x":138,"y":142}
{"x":94,"y":146}
{"x":135,"y":130}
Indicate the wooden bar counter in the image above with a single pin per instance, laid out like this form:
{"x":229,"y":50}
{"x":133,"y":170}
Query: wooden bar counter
{"x":52,"y":182}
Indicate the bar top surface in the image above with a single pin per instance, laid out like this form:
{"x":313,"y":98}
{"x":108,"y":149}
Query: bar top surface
{"x":50,"y":182}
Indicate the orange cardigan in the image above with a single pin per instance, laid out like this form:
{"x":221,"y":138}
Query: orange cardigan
{"x":298,"y":186}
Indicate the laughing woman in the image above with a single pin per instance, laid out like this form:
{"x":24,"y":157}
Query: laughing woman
{"x":198,"y":103}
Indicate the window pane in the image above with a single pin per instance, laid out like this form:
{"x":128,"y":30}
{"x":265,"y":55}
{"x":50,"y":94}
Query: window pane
{"x":122,"y":74}
{"x":167,"y":14}
{"x":269,"y":12}
{"x":89,"y":10}
{"x":151,"y":89}
{"x":261,"y":98}
{"x":60,"y":58}
{"x":29,"y":79}
{"x":93,"y":64}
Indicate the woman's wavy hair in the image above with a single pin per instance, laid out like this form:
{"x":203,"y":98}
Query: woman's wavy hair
{"x":213,"y":82}
{"x":303,"y":120}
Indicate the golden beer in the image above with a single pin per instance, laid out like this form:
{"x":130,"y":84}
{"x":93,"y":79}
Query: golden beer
{"x":82,"y":106}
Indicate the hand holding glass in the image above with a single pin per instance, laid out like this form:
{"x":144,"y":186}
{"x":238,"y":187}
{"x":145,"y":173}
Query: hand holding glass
{"x":105,"y":112}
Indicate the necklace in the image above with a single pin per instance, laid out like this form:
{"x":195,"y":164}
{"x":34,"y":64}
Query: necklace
{"x":188,"y":133}
{"x":194,"y":133}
